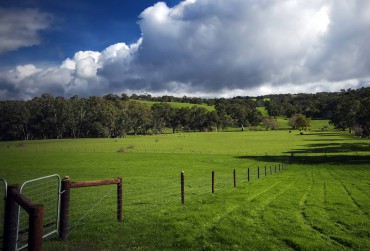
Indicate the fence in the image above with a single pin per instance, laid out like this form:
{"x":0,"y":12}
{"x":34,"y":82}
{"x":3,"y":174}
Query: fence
{"x":3,"y":193}
{"x":35,"y":213}
{"x":27,"y":221}
{"x":45,"y":191}
{"x":67,"y":185}
{"x":67,"y":188}
{"x":213,"y":175}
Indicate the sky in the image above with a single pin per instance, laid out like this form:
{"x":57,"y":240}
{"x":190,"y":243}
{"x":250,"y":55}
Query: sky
{"x":203,"y":48}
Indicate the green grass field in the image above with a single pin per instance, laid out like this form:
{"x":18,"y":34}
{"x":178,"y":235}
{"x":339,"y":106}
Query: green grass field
{"x":178,"y":105}
{"x":319,"y":201}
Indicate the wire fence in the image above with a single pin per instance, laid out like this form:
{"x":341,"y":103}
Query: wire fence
{"x":92,"y":208}
{"x":46,"y":191}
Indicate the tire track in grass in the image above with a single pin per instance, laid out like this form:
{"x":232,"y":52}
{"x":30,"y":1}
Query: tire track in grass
{"x":356,"y":205}
{"x":359,"y":178}
{"x":235,"y":207}
{"x":276,"y":196}
{"x":349,"y":195}
{"x":304,"y":217}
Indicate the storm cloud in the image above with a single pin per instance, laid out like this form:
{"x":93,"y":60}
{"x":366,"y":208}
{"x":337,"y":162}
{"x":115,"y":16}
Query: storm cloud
{"x":219,"y":48}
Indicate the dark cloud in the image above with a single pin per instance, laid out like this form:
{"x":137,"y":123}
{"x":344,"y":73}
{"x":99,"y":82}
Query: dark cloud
{"x":222,"y":47}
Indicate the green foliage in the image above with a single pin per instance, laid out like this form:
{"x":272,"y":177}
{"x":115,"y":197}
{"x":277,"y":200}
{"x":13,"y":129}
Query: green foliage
{"x":48,"y":117}
{"x":299,"y":121}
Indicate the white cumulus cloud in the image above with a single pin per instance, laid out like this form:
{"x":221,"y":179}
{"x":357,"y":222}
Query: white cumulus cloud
{"x":220,"y":48}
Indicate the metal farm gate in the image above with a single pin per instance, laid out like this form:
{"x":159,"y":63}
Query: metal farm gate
{"x":46,"y":191}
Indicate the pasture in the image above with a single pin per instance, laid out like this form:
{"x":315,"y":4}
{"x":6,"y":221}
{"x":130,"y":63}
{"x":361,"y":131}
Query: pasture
{"x":319,"y":201}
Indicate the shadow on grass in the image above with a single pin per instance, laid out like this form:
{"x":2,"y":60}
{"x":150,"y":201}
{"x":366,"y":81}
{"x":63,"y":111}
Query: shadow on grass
{"x":332,"y":147}
{"x":334,"y":160}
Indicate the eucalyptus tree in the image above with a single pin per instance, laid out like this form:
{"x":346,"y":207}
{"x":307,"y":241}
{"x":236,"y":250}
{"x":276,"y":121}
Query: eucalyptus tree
{"x":140,"y":117}
{"x":161,"y":114}
{"x":14,"y":120}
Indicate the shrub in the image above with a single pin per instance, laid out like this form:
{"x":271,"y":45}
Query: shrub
{"x":121,"y":150}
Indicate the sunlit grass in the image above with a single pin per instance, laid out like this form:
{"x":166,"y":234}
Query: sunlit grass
{"x":320,"y":201}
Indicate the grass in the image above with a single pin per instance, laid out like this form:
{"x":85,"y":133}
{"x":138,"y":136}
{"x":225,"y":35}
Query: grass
{"x":320,"y":201}
{"x":178,"y":105}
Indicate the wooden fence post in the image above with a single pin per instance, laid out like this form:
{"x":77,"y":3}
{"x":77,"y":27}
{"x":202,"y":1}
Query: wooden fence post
{"x":258,"y":172}
{"x":234,"y":174}
{"x":248,"y":175}
{"x":213,"y":181}
{"x":10,"y":221}
{"x":182,"y":187}
{"x":36,"y":228}
{"x":119,"y":199}
{"x":64,"y":208}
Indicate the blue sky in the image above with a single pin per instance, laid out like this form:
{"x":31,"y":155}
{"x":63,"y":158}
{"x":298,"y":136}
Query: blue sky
{"x":79,"y":25}
{"x":204,"y":48}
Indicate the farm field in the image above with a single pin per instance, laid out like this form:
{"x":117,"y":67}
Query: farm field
{"x":321,"y":200}
{"x":178,"y":105}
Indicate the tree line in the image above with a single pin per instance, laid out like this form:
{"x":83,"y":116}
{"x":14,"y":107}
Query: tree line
{"x":347,"y":109}
{"x":49,"y":117}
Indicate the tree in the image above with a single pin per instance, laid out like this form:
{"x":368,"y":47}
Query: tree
{"x":269,"y":122}
{"x":299,"y":121}
{"x":122,"y":123}
{"x":100,"y":117}
{"x":14,"y":120}
{"x":273,"y":108}
{"x":77,"y":116}
{"x":363,"y":117}
{"x":140,"y":117}
{"x":198,"y":118}
{"x":161,"y":113}
{"x":346,"y":113}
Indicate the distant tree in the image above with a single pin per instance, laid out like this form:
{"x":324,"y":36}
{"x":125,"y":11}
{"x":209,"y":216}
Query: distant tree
{"x":122,"y":122}
{"x":111,"y":97}
{"x":345,"y":114}
{"x":299,"y":121}
{"x":198,"y":118}
{"x":184,"y":115}
{"x":363,"y":117}
{"x":269,"y":122}
{"x":140,"y":117}
{"x":124,"y":97}
{"x":273,"y":108}
{"x":100,"y":117}
{"x":161,"y":114}
{"x":14,"y":120}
